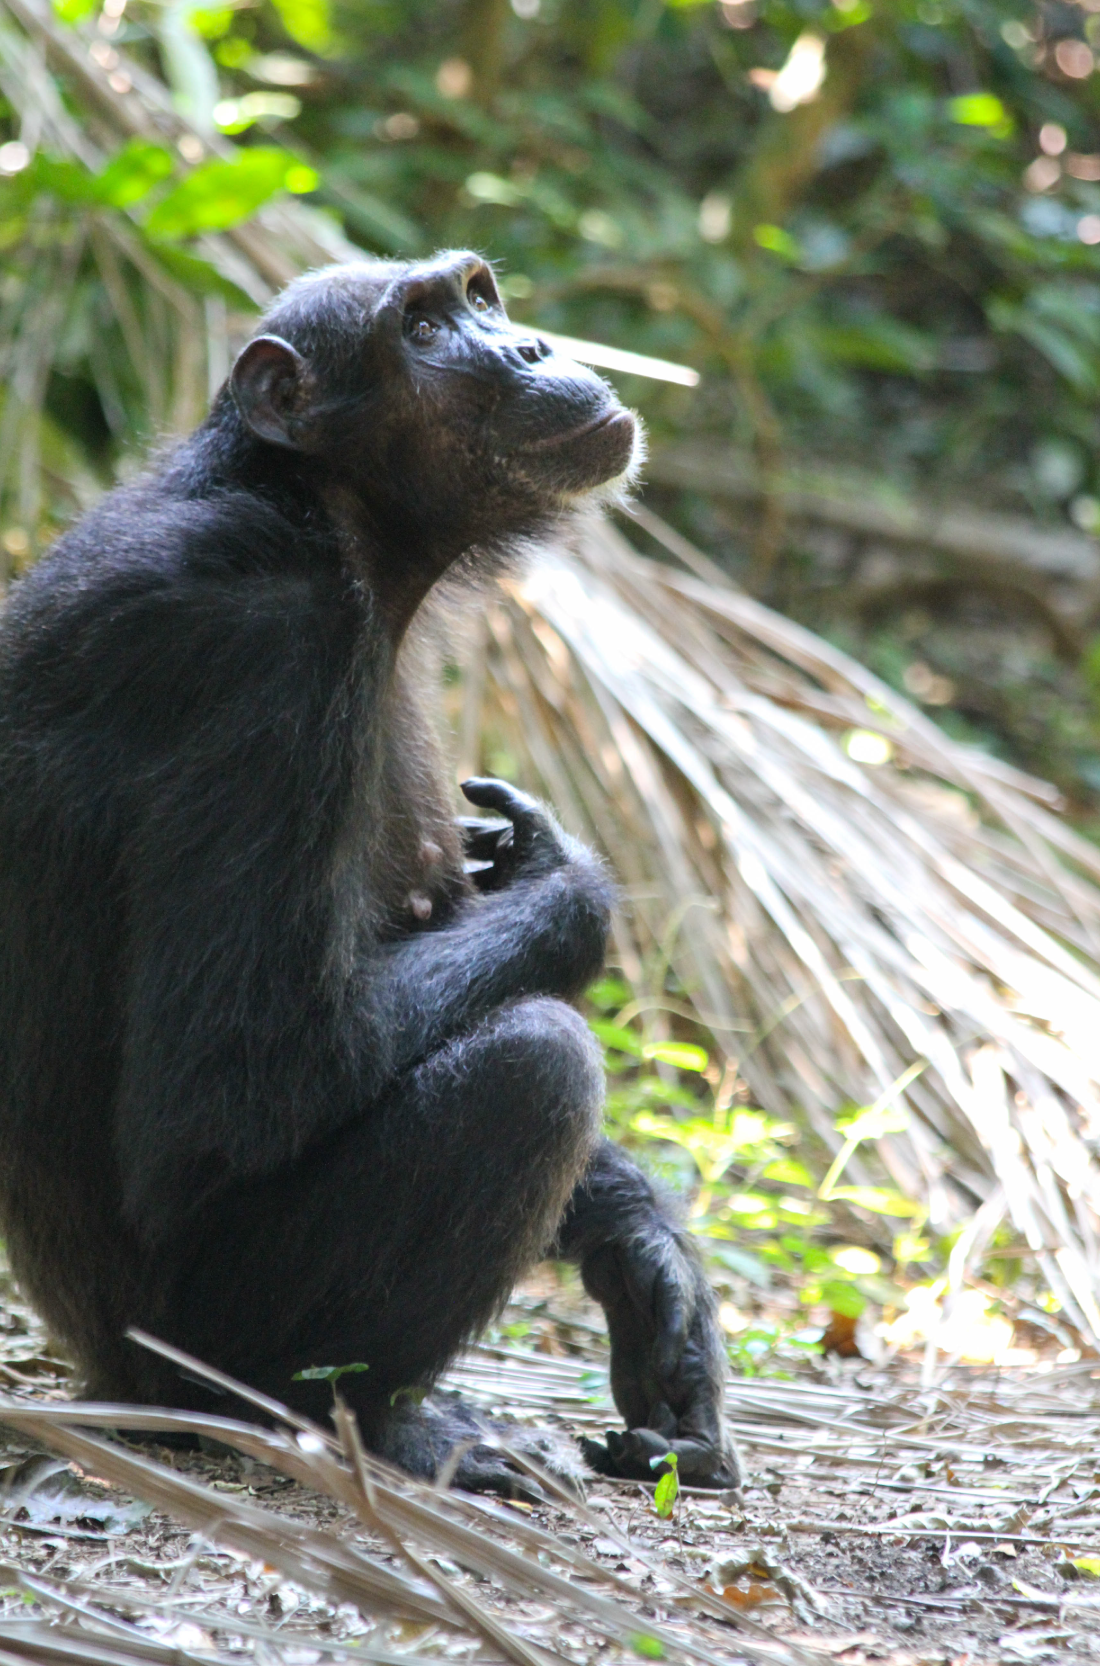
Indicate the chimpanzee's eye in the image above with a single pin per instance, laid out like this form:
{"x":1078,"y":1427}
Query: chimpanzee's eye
{"x":422,"y":329}
{"x":478,"y":302}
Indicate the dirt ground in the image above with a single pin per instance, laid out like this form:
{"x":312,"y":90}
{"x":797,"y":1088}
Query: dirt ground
{"x":879,"y":1521}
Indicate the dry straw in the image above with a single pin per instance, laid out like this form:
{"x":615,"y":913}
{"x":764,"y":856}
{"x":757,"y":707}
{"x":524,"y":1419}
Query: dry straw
{"x":407,"y":1523}
{"x":834,"y":922}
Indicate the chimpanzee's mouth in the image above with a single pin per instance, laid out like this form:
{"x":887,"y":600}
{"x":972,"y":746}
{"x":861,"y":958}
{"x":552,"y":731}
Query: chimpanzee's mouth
{"x":606,"y":420}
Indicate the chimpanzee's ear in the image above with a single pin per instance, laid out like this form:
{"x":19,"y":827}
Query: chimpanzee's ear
{"x":267,"y":385}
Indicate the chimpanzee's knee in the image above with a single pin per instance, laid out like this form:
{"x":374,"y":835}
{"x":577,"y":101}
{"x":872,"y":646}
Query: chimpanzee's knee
{"x":506,"y":1119}
{"x":544,"y":1063}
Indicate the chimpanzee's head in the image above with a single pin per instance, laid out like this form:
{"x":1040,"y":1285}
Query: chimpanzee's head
{"x":406,"y":385}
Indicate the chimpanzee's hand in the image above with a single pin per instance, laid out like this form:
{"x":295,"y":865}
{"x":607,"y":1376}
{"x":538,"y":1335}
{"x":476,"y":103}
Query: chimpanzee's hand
{"x":529,"y":843}
{"x":668,"y":1362}
{"x":481,"y":841}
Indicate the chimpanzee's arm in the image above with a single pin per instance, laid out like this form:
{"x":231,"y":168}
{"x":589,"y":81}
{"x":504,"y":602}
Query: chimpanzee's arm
{"x":539,"y":929}
{"x":668,"y":1363}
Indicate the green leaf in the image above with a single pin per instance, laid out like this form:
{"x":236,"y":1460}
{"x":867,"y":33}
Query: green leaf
{"x":607,"y":994}
{"x":234,"y":115}
{"x":414,"y":1396}
{"x":788,"y":1172}
{"x":681,"y":1054}
{"x":614,"y":1035}
{"x":777,"y":242}
{"x":306,"y":21}
{"x":852,"y":14}
{"x":871,"y":1123}
{"x":131,"y":174}
{"x":878,"y":344}
{"x":879,"y":1199}
{"x":491,"y":188}
{"x":222,"y":194}
{"x":650,"y":1648}
{"x":668,"y":1487}
{"x":69,"y":181}
{"x":1063,"y":353}
{"x":749,"y":1203}
{"x":211,"y":22}
{"x":300,"y":179}
{"x":843,"y":1298}
{"x":1089,"y":1565}
{"x":981,"y":110}
{"x":73,"y":11}
{"x":328,"y":1373}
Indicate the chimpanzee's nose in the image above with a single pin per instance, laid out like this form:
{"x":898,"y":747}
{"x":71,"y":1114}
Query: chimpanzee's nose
{"x":532,"y":352}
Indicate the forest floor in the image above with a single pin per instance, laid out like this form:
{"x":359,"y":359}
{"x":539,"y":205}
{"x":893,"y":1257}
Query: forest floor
{"x":880,"y":1521}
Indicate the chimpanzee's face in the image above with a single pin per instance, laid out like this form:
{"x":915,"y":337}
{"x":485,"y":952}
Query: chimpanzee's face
{"x":411,"y":386}
{"x":548,"y":421}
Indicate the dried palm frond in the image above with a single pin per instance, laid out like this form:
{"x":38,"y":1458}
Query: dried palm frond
{"x":834,"y":922}
{"x":405,"y":1520}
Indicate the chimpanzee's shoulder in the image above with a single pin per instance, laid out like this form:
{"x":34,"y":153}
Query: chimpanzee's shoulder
{"x":138,"y":541}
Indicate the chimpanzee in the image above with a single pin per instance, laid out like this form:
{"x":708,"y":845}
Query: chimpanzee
{"x":288,"y":1070}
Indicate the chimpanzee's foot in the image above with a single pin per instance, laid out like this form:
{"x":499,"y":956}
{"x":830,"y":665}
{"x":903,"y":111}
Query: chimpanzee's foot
{"x":634,"y":1455}
{"x":445,"y":1439}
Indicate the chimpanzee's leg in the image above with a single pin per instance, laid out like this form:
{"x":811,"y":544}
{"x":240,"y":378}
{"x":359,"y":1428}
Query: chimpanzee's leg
{"x":393,"y":1242}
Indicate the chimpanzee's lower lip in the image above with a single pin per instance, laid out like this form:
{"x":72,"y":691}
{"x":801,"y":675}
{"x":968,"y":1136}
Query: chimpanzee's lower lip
{"x":607,"y":419}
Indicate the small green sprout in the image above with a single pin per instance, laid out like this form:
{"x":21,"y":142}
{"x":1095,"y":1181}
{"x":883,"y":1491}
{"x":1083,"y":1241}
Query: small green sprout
{"x":327,"y":1373}
{"x":668,"y":1487}
{"x":651,"y":1648}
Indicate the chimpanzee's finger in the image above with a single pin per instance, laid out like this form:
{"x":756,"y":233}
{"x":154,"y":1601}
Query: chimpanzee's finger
{"x":490,"y":794}
{"x":482,"y":839}
{"x":482,"y":1471}
{"x":536,"y":832}
{"x":631,"y":1455}
{"x":699,"y":1464}
{"x":626,"y":1455}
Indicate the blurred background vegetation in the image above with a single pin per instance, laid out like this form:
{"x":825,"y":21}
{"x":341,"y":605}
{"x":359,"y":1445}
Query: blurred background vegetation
{"x":872,"y":227}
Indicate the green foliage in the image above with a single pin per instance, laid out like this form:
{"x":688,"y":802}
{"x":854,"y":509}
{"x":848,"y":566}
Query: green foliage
{"x":218,"y":194}
{"x":133,"y":173}
{"x":411,"y":1396}
{"x":306,"y":21}
{"x":793,"y":1245}
{"x":211,"y":22}
{"x":766,"y":1202}
{"x":769,"y":1348}
{"x":682,"y":1055}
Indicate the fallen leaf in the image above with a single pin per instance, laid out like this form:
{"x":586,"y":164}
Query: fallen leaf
{"x":43,"y":1495}
{"x":751,"y":1597}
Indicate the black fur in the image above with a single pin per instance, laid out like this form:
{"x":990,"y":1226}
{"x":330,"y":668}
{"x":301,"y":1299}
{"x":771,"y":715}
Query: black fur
{"x":278,"y":1081}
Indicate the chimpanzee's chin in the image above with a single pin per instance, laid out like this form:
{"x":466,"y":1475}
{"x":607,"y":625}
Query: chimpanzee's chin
{"x":587,"y":457}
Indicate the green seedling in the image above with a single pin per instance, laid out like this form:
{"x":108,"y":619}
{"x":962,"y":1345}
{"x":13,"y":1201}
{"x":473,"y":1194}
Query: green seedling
{"x":650,"y":1648}
{"x":668,"y":1487}
{"x":328,"y":1373}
